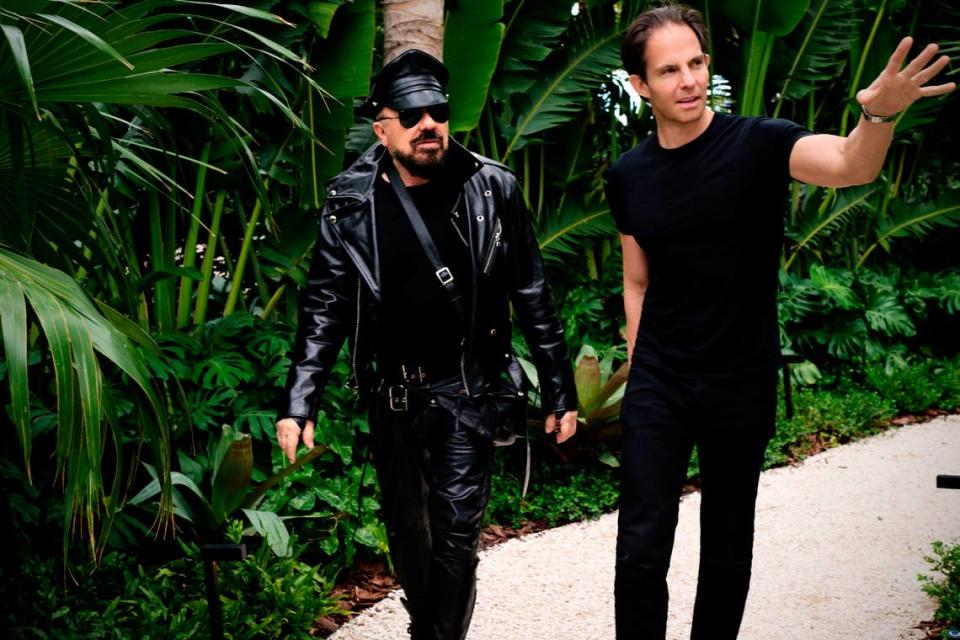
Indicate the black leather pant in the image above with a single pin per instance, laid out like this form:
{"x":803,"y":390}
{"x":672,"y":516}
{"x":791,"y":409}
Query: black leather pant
{"x":731,"y":422}
{"x":434,"y":476}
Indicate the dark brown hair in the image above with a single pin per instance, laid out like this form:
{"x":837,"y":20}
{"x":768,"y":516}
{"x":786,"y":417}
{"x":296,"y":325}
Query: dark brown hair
{"x":634,"y":45}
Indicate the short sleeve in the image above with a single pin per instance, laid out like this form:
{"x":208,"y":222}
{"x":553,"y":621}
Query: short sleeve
{"x":615,"y":200}
{"x":778,"y":137}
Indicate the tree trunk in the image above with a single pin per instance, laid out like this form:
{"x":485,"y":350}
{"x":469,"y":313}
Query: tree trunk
{"x":412,"y":24}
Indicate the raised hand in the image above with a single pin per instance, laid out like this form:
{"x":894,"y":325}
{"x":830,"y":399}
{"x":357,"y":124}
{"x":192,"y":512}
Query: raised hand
{"x":895,"y":89}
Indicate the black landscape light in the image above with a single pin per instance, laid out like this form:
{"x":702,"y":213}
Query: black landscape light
{"x":786,"y":361}
{"x":948,"y":482}
{"x":211,"y":554}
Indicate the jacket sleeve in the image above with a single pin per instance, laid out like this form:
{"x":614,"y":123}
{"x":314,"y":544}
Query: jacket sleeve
{"x":325,"y":314}
{"x":535,"y":310}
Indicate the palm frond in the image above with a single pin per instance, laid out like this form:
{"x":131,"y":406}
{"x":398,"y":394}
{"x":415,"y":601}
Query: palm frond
{"x":830,"y":29}
{"x":916,"y":221}
{"x":75,"y":332}
{"x":815,"y":227}
{"x":533,"y":30}
{"x":835,"y":285}
{"x":590,"y":53}
{"x":560,"y":236}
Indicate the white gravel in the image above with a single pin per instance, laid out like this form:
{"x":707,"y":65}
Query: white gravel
{"x":840,"y":541}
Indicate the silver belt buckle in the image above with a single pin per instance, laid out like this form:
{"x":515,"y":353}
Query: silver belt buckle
{"x":444,"y":275}
{"x":398,"y":401}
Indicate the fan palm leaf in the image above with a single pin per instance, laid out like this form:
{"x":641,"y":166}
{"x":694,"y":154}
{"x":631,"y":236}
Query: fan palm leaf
{"x":83,"y":87}
{"x":76,"y":331}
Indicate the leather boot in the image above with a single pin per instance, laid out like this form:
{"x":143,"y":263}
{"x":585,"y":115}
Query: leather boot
{"x":454,"y":588}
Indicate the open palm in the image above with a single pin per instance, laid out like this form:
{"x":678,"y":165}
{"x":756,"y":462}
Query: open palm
{"x":895,"y":89}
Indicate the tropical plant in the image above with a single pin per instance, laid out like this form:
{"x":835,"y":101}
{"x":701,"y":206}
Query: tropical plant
{"x":178,"y":199}
{"x":263,"y":596}
{"x":76,"y":330}
{"x":93,"y":96}
{"x":865,"y":316}
{"x":944,"y":584}
{"x":599,"y":388}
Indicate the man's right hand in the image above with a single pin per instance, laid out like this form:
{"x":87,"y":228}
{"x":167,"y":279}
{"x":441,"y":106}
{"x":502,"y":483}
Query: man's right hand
{"x":288,"y":436}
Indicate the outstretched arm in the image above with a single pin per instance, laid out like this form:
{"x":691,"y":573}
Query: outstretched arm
{"x":835,"y":161}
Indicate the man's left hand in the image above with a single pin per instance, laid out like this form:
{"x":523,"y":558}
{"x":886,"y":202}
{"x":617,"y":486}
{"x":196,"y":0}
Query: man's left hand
{"x":568,"y":426}
{"x":896,"y":89}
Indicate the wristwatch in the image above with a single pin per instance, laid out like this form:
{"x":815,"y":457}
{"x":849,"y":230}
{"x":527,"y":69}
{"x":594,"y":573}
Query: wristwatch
{"x":871,"y":117}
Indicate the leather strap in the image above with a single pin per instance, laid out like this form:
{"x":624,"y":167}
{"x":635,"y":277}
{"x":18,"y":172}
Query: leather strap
{"x":443,"y":273}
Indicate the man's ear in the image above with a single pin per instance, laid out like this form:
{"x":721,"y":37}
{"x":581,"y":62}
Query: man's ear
{"x":706,"y":59}
{"x":380,"y":133}
{"x":639,"y":86}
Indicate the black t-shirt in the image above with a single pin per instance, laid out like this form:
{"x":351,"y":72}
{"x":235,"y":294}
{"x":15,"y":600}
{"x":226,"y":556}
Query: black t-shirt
{"x":419,"y":325}
{"x":709,"y":217}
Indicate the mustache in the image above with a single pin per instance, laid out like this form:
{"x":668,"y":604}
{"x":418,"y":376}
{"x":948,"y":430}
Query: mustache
{"x":426,"y":135}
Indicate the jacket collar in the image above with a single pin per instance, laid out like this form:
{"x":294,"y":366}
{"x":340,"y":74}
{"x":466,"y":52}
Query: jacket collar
{"x":358,"y":180}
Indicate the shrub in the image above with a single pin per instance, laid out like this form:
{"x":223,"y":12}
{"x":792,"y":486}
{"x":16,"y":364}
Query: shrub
{"x":918,"y":386}
{"x":557,"y":495}
{"x":263,"y":597}
{"x":827,"y":417}
{"x":945,"y":589}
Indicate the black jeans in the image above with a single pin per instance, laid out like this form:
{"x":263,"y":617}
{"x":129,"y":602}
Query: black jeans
{"x":434,"y":476}
{"x":664,"y":415}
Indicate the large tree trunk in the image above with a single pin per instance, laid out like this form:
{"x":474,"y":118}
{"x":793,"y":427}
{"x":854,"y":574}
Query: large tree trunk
{"x":412,"y":24}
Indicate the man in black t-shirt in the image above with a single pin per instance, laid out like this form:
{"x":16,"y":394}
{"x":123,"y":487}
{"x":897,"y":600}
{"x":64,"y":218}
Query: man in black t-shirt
{"x":700,"y":209}
{"x":430,"y":337}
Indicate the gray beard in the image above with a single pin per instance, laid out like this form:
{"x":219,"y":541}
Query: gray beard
{"x":429,"y":169}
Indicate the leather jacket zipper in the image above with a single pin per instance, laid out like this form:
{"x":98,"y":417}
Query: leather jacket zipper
{"x":356,"y":336}
{"x":492,"y":252}
{"x":463,"y":366}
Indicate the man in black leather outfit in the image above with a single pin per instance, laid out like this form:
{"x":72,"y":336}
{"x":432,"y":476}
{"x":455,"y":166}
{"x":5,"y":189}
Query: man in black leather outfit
{"x":435,"y":375}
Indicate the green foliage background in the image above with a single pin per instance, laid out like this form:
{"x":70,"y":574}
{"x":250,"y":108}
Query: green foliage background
{"x":161,"y":165}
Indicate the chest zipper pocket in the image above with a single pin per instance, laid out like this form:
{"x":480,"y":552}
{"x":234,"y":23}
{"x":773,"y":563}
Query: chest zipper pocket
{"x":492,"y":251}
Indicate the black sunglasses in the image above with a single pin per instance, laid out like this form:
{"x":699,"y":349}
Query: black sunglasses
{"x":440,"y":113}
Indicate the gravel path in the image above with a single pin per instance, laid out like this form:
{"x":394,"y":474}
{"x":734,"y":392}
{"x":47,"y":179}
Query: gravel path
{"x":840,"y":541}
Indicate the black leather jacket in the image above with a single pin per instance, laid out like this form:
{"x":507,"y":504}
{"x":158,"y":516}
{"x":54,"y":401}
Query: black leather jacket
{"x":340,"y":300}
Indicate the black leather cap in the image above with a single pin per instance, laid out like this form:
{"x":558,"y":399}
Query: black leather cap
{"x":412,"y":79}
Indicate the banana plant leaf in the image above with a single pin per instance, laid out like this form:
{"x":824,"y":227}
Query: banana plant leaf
{"x":763,"y":21}
{"x":347,"y":55}
{"x":533,"y":31}
{"x":472,"y":37}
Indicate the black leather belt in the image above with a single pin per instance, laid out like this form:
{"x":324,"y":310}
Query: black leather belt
{"x":402,"y":383}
